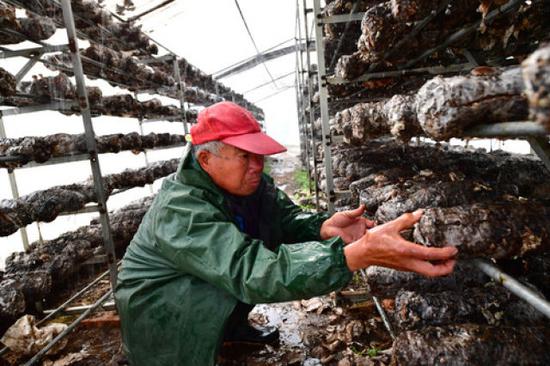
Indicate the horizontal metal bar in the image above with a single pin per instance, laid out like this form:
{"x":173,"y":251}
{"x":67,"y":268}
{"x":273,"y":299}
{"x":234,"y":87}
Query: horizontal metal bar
{"x":56,"y":160}
{"x":421,"y":70}
{"x":507,"y":129}
{"x":53,"y":106}
{"x":68,"y":105}
{"x":97,"y":259}
{"x":514,"y":286}
{"x":69,"y":329}
{"x":86,"y":209}
{"x":10,"y":159}
{"x":31,"y":52}
{"x":81,"y":308}
{"x":163,"y":119}
{"x":159,"y":91}
{"x":81,"y":157}
{"x":342,"y":18}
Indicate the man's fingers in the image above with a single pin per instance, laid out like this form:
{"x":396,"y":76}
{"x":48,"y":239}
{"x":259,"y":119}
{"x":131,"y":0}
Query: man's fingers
{"x":356,"y":212}
{"x":407,"y":220}
{"x":429,"y":253}
{"x":433,"y":270}
{"x":370,"y":223}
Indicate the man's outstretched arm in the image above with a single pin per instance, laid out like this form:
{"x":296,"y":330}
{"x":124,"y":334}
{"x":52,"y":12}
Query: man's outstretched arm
{"x":384,"y":246}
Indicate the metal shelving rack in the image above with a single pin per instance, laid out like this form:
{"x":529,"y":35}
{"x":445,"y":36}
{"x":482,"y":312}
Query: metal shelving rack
{"x":534,"y":133}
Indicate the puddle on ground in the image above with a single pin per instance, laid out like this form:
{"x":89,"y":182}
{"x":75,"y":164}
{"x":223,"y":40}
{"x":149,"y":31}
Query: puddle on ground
{"x":313,"y":332}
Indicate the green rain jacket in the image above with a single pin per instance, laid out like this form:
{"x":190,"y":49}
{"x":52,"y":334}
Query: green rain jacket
{"x":188,"y":264}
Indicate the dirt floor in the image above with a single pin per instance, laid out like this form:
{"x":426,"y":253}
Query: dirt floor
{"x":319,"y":331}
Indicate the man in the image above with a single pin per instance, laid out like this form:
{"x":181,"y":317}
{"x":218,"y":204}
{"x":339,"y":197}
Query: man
{"x":220,"y":237}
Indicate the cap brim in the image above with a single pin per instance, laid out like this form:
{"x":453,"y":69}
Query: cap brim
{"x":257,"y":143}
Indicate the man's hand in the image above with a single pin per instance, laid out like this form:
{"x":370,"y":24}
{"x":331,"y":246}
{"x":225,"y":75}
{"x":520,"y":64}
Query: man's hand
{"x":384,"y":246}
{"x":349,"y":225}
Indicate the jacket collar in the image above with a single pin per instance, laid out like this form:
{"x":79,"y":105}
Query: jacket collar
{"x":190,"y":173}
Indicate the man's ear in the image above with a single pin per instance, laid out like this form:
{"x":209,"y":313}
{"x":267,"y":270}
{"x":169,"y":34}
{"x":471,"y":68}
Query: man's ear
{"x":204,"y":160}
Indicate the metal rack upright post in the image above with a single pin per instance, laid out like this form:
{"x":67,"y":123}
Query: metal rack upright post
{"x":90,"y":141}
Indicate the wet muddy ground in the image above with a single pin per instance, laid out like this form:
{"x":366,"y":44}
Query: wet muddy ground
{"x":318,"y":331}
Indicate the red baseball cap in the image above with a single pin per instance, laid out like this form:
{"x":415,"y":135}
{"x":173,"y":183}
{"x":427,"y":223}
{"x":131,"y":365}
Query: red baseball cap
{"x":233,"y":125}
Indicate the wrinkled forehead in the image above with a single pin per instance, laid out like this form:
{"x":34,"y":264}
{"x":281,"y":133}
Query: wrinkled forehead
{"x":230,"y":149}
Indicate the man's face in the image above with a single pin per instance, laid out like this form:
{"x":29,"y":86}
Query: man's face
{"x":236,"y":171}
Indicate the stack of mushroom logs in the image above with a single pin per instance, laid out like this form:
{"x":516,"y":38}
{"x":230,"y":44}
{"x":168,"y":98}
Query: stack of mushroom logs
{"x":494,"y":205}
{"x":34,"y":276}
{"x":386,"y":23}
{"x":30,"y":277}
{"x":114,"y":54}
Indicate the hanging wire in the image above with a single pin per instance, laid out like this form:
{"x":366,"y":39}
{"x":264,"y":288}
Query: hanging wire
{"x":293,"y":72}
{"x":254,"y":43}
{"x":281,"y":90}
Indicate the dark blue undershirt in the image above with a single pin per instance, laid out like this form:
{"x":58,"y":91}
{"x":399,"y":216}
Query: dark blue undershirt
{"x":246,"y":211}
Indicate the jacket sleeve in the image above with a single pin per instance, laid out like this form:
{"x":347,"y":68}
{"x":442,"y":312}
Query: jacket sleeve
{"x":298,"y":225}
{"x":198,"y":239}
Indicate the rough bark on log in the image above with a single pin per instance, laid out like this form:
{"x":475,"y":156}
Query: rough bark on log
{"x":518,"y":33}
{"x":491,"y":304}
{"x":385,"y":24}
{"x":60,"y":259}
{"x":385,"y":282}
{"x":41,"y":149}
{"x":498,"y":230}
{"x":9,"y":25}
{"x":471,"y":344}
{"x":536,"y":270}
{"x":351,"y":66}
{"x":192,"y":76}
{"x":46,"y":205}
{"x":51,"y":87}
{"x":89,"y":15}
{"x":447,"y":106}
{"x":13,"y":301}
{"x":527,"y":173}
{"x":536,"y":76}
{"x":122,"y":37}
{"x":7,"y":83}
{"x":380,"y":32}
{"x":348,"y":45}
{"x":432,"y":190}
{"x":123,"y":105}
{"x":395,"y":116}
{"x":378,"y":180}
{"x":37,"y":28}
{"x":99,"y":61}
{"x":338,"y":7}
{"x":17,"y":30}
{"x":115,"y":67}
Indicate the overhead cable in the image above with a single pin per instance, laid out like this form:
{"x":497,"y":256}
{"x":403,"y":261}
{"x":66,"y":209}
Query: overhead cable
{"x":254,"y":42}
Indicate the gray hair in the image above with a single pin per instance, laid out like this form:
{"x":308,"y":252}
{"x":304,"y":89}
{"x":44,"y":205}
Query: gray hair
{"x":211,"y":146}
